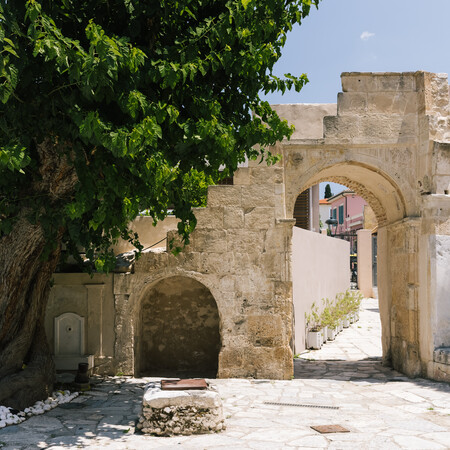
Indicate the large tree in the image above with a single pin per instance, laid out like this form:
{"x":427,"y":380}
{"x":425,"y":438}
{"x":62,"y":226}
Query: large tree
{"x":109,"y":108}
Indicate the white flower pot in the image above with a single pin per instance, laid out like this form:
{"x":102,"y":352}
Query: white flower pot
{"x":331,"y":334}
{"x":325,"y":334}
{"x":346,"y":323}
{"x":314,"y":339}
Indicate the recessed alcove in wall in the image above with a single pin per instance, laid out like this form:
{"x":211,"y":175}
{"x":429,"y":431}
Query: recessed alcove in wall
{"x":178,"y":330}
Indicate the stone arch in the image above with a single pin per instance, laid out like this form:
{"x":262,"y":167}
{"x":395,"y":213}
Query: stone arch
{"x":389,"y":202}
{"x":383,"y":195}
{"x":178,"y":329}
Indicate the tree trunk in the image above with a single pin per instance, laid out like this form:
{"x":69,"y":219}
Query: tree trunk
{"x":26,"y":364}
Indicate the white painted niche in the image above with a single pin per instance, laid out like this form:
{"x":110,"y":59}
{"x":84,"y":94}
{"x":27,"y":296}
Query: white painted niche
{"x":69,"y":342}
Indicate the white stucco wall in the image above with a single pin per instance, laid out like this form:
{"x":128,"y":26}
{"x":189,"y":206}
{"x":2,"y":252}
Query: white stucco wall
{"x":442,"y":334}
{"x":320,"y":269}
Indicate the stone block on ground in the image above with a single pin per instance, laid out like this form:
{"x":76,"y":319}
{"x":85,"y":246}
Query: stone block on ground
{"x":166,"y":413}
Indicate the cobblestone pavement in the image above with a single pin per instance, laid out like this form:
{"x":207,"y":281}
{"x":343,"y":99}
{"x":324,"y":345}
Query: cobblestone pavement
{"x":342,"y":384}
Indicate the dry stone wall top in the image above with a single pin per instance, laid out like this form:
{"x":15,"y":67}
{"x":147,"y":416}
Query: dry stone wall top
{"x":166,"y":413}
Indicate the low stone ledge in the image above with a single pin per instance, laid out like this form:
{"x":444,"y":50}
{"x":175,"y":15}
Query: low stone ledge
{"x":442,"y":355}
{"x":167,"y":413}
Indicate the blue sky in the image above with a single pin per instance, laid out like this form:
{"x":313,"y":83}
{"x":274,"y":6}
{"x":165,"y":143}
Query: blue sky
{"x":364,"y":36}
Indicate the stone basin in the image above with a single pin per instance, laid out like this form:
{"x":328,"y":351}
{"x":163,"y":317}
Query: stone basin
{"x":181,"y":412}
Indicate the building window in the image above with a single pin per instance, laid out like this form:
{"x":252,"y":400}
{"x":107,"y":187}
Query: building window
{"x":341,"y":214}
{"x":301,"y":210}
{"x":334,"y":213}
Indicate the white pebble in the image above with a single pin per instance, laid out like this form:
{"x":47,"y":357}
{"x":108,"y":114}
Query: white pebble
{"x":40,"y":407}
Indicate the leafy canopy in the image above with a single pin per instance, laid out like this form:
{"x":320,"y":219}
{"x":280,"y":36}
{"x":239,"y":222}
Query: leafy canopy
{"x":145,"y":100}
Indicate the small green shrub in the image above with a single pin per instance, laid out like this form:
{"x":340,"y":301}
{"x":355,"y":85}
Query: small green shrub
{"x":348,"y":302}
{"x":328,"y":317}
{"x":313,"y":318}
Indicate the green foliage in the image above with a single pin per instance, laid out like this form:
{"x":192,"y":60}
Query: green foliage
{"x":345,"y":303}
{"x":328,"y":192}
{"x":313,"y":318}
{"x":146,"y":101}
{"x":328,"y":316}
{"x":348,"y":302}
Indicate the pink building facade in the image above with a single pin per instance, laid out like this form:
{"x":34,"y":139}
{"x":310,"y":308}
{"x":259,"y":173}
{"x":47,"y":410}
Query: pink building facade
{"x":348,"y":209}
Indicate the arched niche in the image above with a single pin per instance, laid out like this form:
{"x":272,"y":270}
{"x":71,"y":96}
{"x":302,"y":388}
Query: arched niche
{"x":178,"y":330}
{"x":69,"y":335}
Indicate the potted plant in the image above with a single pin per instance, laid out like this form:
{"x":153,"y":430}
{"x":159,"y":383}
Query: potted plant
{"x":314,"y":336}
{"x":329,"y":320}
{"x":345,"y":306}
{"x":339,"y":311}
{"x":356,"y":299}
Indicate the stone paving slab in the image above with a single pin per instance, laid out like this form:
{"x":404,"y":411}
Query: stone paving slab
{"x":381,"y":408}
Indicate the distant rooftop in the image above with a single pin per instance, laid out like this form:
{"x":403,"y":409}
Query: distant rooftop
{"x":343,"y":193}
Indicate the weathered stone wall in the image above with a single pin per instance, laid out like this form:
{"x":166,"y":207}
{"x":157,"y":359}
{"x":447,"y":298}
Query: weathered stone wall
{"x":240,"y":253}
{"x":404,"y":312}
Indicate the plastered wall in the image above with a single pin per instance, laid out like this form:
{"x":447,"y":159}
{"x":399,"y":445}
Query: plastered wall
{"x":320,"y":270}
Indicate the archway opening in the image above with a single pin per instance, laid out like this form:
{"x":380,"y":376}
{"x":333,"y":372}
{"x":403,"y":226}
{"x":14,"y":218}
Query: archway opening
{"x":387,"y":202}
{"x":179,"y":332}
{"x":325,"y":262}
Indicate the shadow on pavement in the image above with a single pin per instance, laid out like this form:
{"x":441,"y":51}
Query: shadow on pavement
{"x":369,"y":370}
